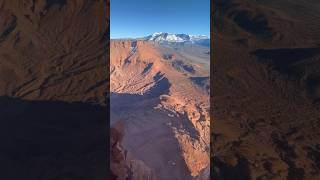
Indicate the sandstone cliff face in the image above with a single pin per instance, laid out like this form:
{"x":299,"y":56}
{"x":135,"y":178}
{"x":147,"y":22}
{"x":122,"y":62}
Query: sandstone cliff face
{"x":165,"y":113}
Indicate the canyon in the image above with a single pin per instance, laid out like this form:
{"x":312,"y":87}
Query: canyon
{"x":160,"y":95}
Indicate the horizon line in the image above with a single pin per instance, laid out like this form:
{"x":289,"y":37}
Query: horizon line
{"x":158,"y":32}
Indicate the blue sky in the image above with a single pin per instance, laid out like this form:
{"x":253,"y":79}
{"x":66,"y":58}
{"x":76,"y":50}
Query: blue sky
{"x":138,"y":18}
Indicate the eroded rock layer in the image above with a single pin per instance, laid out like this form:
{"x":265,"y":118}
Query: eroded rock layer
{"x":163,"y":102}
{"x":53,"y":79}
{"x":266,"y":88}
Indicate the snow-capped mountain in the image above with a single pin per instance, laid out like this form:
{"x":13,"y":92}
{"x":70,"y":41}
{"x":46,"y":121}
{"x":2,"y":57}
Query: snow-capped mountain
{"x":163,"y":37}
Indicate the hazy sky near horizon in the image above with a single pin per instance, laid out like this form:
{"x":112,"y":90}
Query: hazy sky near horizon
{"x":138,"y":18}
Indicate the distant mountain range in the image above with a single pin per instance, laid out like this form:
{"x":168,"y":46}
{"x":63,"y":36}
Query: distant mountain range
{"x":169,"y":38}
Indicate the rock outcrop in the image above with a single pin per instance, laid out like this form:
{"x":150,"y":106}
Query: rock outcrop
{"x":123,"y":166}
{"x":165,"y":113}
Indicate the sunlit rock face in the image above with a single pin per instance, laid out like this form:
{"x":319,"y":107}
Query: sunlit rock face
{"x":159,"y":93}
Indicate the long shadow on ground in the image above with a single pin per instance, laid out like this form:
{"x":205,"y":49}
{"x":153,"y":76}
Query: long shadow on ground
{"x":52,"y":140}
